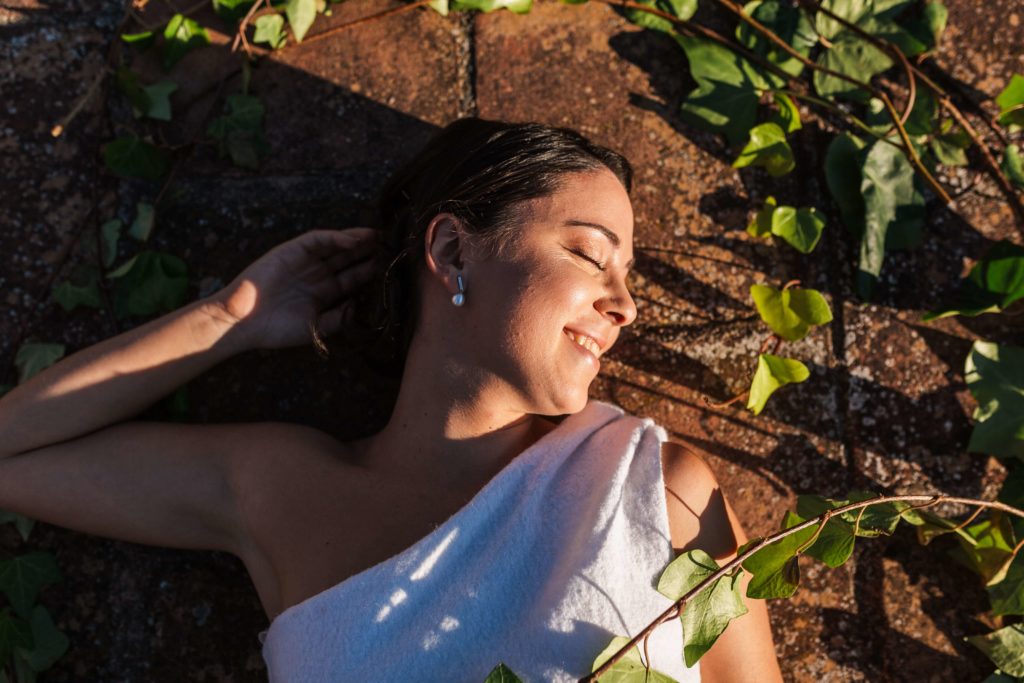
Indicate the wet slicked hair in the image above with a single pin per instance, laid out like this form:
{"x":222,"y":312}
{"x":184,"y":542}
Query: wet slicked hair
{"x":479,"y":171}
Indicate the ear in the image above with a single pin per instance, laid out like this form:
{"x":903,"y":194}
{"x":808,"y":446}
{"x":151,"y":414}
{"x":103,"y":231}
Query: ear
{"x":446,"y":245}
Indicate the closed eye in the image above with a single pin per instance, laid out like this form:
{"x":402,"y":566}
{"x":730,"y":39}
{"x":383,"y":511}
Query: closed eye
{"x":584,"y":256}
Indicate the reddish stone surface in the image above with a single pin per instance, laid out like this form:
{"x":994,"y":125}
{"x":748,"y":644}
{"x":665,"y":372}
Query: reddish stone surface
{"x":885,"y":407}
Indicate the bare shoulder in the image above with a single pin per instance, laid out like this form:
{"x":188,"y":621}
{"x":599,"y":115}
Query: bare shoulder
{"x":698,"y":514}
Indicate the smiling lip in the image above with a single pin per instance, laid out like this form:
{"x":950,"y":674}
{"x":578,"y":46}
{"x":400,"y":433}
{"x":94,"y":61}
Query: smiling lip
{"x":593,"y":344}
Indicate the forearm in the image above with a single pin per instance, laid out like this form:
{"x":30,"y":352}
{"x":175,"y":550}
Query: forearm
{"x":117,"y":378}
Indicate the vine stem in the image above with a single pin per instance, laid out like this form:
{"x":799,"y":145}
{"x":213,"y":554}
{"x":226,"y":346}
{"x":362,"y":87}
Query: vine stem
{"x":923,"y":501}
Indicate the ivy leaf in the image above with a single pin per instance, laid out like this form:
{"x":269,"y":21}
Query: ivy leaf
{"x":788,"y":115}
{"x":1007,"y":596}
{"x":1013,"y":165}
{"x":772,"y":373}
{"x":48,"y":643}
{"x":270,"y":30}
{"x":843,"y":162}
{"x":775,"y":568}
{"x":767,"y":147}
{"x":786,"y":21}
{"x":141,"y":40}
{"x":728,"y":89}
{"x":683,"y":9}
{"x":989,"y":551}
{"x":159,"y":95}
{"x":929,"y":27}
{"x":761,"y":226}
{"x":1005,"y":647}
{"x":931,"y":526}
{"x":81,"y":289}
{"x":151,"y":282}
{"x":791,"y":312}
{"x":706,"y":616}
{"x":502,"y":674}
{"x":995,"y":282}
{"x":851,"y":56}
{"x":21,"y":578}
{"x":800,"y":228}
{"x":14,"y":632}
{"x":949,"y":148}
{"x":301,"y":14}
{"x":239,"y":132}
{"x":893,"y":211}
{"x":995,"y":376}
{"x":130,"y":157}
{"x":181,"y":36}
{"x":142,"y":226}
{"x":128,"y":83}
{"x":232,"y":10}
{"x":110,"y":233}
{"x":34,"y":357}
{"x":22,"y":523}
{"x":1012,"y":96}
{"x":629,"y":669}
{"x":834,"y":544}
{"x":515,"y":6}
{"x":868,"y":522}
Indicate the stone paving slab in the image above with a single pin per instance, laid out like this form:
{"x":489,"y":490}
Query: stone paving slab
{"x":340,"y":116}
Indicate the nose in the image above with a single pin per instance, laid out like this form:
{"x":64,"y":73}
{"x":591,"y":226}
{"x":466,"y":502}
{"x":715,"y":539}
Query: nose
{"x":618,"y":306}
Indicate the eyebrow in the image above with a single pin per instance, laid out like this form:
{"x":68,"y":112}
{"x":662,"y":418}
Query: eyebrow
{"x":612,"y":237}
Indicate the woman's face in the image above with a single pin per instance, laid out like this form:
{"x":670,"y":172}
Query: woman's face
{"x":564,"y":276}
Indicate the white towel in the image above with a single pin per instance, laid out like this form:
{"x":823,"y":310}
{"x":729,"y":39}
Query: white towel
{"x":558,"y":553}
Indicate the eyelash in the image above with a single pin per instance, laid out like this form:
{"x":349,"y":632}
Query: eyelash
{"x":582,"y":254}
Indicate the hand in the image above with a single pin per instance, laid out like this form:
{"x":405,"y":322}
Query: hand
{"x":306,"y":281}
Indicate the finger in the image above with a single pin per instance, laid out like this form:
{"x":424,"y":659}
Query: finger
{"x":325,"y":243}
{"x":361,"y":273}
{"x":330,"y":321}
{"x":346,"y":257}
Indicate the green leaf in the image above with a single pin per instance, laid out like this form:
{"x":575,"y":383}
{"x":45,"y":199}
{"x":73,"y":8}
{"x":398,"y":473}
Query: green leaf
{"x":707,"y":614}
{"x":929,"y":27}
{"x":515,"y":6}
{"x":22,"y":523}
{"x":181,"y":36}
{"x":232,"y":10}
{"x":14,"y":632}
{"x":788,"y":115}
{"x":772,"y":373}
{"x":790,"y":312}
{"x":21,"y":578}
{"x":270,"y":30}
{"x":834,"y":543}
{"x":767,"y":147}
{"x":1013,"y":165}
{"x":800,"y":228}
{"x":301,"y":14}
{"x":142,"y":226}
{"x":110,"y":233}
{"x":931,"y":526}
{"x":1007,"y":596}
{"x":1012,"y":96}
{"x":893,"y":211}
{"x":761,"y":226}
{"x":989,"y":551}
{"x":159,"y":95}
{"x":239,"y":132}
{"x":1005,"y":647}
{"x":949,"y":149}
{"x":728,"y":89}
{"x":995,"y":282}
{"x":853,"y":57}
{"x":142,"y":40}
{"x":502,"y":674}
{"x":995,"y":376}
{"x":843,"y":162}
{"x":34,"y":357}
{"x":48,"y":643}
{"x":149,"y":283}
{"x":682,"y":9}
{"x":775,"y":567}
{"x":629,"y":669}
{"x":786,"y":21}
{"x":130,"y":157}
{"x":82,"y":289}
{"x":128,"y":83}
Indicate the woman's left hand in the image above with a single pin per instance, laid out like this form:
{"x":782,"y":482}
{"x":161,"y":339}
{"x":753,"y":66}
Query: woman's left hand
{"x":306,"y":281}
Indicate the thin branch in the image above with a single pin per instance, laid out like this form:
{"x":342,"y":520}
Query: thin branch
{"x":912,"y":154}
{"x":676,"y":608}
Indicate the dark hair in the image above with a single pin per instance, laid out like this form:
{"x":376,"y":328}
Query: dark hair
{"x":479,"y":171}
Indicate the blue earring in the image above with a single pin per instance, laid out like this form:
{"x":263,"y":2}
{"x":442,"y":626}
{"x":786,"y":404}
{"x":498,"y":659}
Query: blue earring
{"x":460,"y":298}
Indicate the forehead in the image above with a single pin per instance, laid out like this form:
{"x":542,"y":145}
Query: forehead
{"x":588,"y":198}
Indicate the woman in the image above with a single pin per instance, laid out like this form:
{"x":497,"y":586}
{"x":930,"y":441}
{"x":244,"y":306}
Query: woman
{"x":503,"y":251}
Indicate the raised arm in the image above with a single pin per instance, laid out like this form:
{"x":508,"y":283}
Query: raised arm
{"x":65,"y":459}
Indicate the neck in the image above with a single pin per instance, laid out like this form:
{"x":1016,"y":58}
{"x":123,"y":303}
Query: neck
{"x":451,"y":426}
